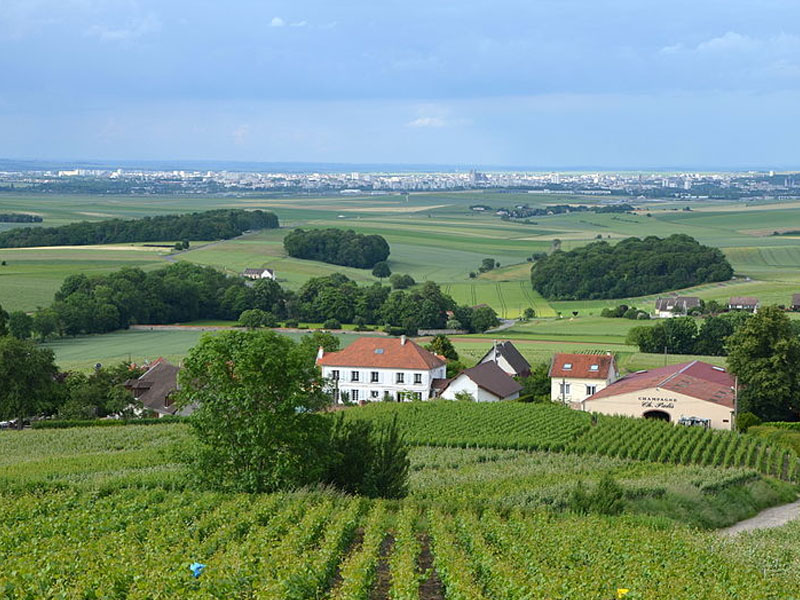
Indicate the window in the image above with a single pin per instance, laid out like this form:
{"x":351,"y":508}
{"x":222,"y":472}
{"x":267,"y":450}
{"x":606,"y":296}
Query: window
{"x":594,"y":368}
{"x":401,"y":378}
{"x":565,"y":389}
{"x":335,"y":374}
{"x":590,"y":389}
{"x":373,"y":377}
{"x":353,"y":375}
{"x":567,"y":366}
{"x":354,"y":395}
{"x":417,"y":396}
{"x":374,"y":394}
{"x":417,"y":378}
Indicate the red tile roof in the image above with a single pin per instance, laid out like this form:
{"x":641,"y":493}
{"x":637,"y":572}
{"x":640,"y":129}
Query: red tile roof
{"x":696,"y":379}
{"x":383,"y":353}
{"x":581,"y":365}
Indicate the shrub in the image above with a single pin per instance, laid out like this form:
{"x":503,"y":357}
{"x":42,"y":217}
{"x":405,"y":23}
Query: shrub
{"x":331,"y":324}
{"x":291,"y":323}
{"x":746,"y":420}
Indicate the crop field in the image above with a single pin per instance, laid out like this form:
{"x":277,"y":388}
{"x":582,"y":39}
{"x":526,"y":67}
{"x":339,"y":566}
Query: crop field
{"x":435,"y":236}
{"x":478,"y":523}
{"x":136,"y":345}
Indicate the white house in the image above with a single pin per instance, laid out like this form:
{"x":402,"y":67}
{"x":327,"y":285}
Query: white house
{"x":575,"y":377}
{"x":693,"y":392}
{"x":485,"y":382}
{"x":676,"y":306}
{"x":508,"y":358}
{"x":259,"y":274}
{"x":749,"y":303}
{"x":376,"y":368}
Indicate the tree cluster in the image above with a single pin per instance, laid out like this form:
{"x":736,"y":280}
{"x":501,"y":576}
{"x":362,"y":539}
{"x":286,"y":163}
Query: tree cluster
{"x":258,"y":429}
{"x":633,"y":267}
{"x":218,"y":224}
{"x":682,"y":335}
{"x":337,"y":247}
{"x":623,"y":311}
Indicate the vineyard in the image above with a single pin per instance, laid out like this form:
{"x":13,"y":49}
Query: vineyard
{"x":556,"y":428}
{"x":318,"y":545}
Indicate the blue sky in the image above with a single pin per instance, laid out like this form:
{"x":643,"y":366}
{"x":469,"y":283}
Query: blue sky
{"x":537,"y":83}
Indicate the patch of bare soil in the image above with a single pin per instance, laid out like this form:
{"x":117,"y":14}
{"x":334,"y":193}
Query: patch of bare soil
{"x":383,"y":577}
{"x":431,"y":588}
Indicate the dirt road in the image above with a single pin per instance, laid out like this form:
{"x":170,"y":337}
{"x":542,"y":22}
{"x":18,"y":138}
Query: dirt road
{"x":766,"y":519}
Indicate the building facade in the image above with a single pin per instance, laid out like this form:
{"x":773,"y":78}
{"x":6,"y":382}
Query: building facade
{"x":485,"y":382}
{"x":575,"y":377}
{"x":376,"y":369}
{"x":693,"y":391}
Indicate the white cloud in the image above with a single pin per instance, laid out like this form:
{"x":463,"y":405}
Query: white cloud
{"x":277,"y":22}
{"x":730,"y":41}
{"x":432,"y":122}
{"x":300,"y":24}
{"x":241,"y":134}
{"x":135,"y":28}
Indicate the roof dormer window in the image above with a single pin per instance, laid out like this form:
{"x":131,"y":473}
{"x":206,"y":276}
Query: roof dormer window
{"x":594,"y":368}
{"x":567,"y":366}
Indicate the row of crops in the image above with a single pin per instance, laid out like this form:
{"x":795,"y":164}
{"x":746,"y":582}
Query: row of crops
{"x":556,"y":428}
{"x":134,"y":544}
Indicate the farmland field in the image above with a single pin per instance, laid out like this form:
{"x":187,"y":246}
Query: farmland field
{"x":478,"y":523}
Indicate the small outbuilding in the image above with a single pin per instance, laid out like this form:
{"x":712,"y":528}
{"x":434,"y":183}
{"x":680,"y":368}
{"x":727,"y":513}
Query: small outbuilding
{"x":795,"y":302}
{"x":485,"y":382}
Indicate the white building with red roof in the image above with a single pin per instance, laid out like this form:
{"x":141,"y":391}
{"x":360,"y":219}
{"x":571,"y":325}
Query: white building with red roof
{"x":692,"y":391}
{"x":575,"y":377}
{"x":377,"y":368}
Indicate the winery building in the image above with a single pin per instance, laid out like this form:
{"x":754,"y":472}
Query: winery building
{"x":695,"y":392}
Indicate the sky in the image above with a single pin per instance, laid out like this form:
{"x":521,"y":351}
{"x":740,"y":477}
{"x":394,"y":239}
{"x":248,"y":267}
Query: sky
{"x":611,"y":84}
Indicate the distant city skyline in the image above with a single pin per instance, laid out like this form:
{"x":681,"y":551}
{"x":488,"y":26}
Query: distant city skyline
{"x":567,"y":85}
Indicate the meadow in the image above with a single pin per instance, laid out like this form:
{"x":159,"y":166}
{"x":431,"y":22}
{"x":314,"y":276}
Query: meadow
{"x":433,"y":236}
{"x":478,"y":523}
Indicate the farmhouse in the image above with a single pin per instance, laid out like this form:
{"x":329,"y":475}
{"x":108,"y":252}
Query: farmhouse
{"x":259,"y":274}
{"x":676,"y":306}
{"x":376,"y":368}
{"x":485,"y":382}
{"x":695,"y":392}
{"x":508,"y":358}
{"x":155,"y":389}
{"x":575,"y":377}
{"x":749,"y":303}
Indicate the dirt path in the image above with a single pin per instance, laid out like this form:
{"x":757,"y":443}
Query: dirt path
{"x":766,"y":519}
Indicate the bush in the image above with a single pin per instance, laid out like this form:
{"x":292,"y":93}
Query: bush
{"x":71,"y":423}
{"x":291,"y":323}
{"x":606,"y":499}
{"x":746,"y":420}
{"x":368,"y":460}
{"x":331,"y":324}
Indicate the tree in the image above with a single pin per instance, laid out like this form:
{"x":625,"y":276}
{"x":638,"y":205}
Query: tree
{"x":27,"y":372}
{"x":381,"y":269}
{"x":536,"y":386}
{"x":483,"y":318}
{"x":487,"y":264}
{"x":712,"y":335}
{"x":45,"y":323}
{"x":20,"y":324}
{"x":255,"y":318}
{"x":100,"y":393}
{"x":441,"y":345}
{"x":764,"y":353}
{"x":3,"y":322}
{"x":255,"y":426}
{"x":401,"y":282}
{"x":528,"y":314}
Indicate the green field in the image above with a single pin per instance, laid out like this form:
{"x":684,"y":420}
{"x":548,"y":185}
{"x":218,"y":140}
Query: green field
{"x":434,"y":236}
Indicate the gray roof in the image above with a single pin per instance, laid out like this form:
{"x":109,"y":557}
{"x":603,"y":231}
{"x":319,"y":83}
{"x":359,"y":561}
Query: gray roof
{"x":154,"y":388}
{"x":508,"y":351}
{"x":493,"y":379}
{"x":677,"y":303}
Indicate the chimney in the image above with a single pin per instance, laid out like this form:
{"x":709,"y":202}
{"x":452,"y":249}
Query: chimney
{"x":403,"y":340}
{"x":320,"y":353}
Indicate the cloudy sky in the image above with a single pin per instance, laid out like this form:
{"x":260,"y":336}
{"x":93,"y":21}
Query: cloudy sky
{"x":535,"y":83}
